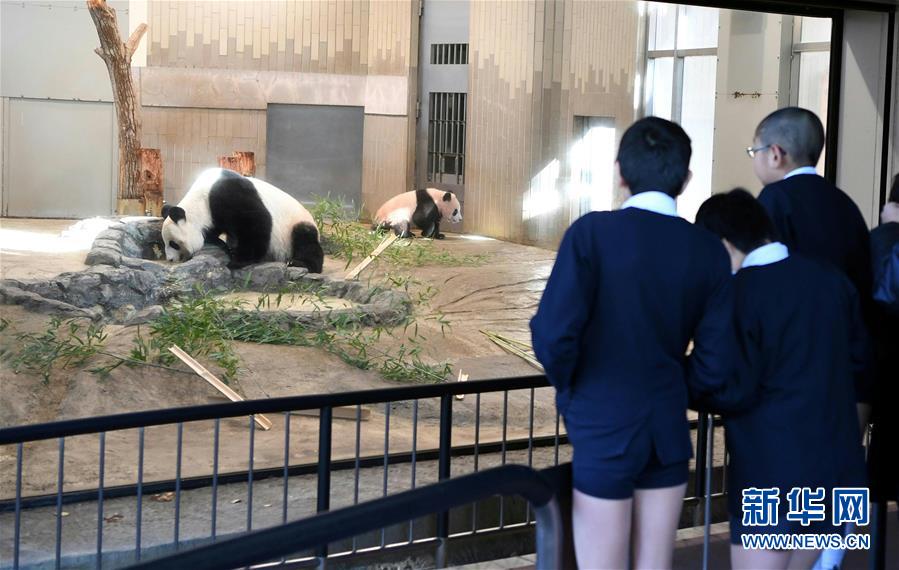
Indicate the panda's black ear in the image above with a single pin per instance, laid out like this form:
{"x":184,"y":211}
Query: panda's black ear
{"x":448,"y":196}
{"x":165,"y":210}
{"x":174,"y":213}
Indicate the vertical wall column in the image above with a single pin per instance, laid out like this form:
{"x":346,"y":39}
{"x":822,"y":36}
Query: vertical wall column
{"x":861,"y":109}
{"x":750,"y":84}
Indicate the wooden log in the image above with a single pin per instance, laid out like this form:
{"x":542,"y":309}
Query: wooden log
{"x":151,"y":180}
{"x":246,"y":161}
{"x":260,"y":420}
{"x":241,"y":162}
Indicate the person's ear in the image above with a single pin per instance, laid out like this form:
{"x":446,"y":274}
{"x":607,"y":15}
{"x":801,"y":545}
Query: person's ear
{"x":620,"y":182}
{"x":777,"y":155}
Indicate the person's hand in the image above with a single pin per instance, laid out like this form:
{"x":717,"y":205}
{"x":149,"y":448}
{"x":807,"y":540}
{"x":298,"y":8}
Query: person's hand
{"x":890,"y":213}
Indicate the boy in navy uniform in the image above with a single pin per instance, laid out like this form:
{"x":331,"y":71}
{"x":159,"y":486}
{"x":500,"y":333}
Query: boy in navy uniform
{"x":628,"y":291}
{"x":882,"y":455}
{"x":791,"y":419}
{"x":812,"y":216}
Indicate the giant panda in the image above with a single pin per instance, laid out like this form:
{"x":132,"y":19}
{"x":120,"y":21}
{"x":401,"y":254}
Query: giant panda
{"x":261,"y":222}
{"x":424,"y":208}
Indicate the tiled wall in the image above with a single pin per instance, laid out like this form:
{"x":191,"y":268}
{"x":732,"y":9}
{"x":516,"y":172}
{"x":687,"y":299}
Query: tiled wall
{"x":287,"y":41}
{"x":319,"y":36}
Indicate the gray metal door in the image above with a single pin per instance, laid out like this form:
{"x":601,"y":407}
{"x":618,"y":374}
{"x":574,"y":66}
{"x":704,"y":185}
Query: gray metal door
{"x":61,"y":159}
{"x":315,"y":150}
{"x":443,"y":69}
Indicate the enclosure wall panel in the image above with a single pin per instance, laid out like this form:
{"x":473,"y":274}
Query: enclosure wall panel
{"x":533,"y":66}
{"x":60,"y":159}
{"x":192,"y":139}
{"x":384,"y":151}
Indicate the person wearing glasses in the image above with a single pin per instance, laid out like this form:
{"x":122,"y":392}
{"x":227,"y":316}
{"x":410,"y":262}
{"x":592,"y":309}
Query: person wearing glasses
{"x":627,"y":292}
{"x":811,"y":215}
{"x":814,"y":218}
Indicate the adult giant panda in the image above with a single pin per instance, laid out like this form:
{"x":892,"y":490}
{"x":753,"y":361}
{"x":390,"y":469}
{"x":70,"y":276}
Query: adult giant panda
{"x":261,"y":222}
{"x":423,"y":208}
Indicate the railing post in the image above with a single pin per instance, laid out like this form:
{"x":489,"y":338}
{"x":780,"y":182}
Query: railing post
{"x":443,"y":473}
{"x":549,"y":535}
{"x":699,"y":474}
{"x":707,"y":490}
{"x":324,"y":474}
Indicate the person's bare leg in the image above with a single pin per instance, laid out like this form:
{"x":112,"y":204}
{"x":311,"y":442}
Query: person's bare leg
{"x":803,"y":559}
{"x":744,"y":559}
{"x":602,"y":531}
{"x":656,"y":513}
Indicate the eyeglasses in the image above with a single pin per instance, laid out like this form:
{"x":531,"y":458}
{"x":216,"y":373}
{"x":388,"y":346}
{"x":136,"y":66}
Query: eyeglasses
{"x":753,"y":151}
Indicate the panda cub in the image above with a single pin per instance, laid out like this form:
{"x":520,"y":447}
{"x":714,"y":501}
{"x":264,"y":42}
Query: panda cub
{"x":423,"y":208}
{"x":261,"y":222}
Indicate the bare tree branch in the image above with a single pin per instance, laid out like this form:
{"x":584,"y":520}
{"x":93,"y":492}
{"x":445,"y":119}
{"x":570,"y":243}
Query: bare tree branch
{"x":134,"y":40}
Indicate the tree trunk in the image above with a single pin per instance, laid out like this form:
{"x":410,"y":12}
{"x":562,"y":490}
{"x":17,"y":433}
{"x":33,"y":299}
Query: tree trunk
{"x":117,"y":56}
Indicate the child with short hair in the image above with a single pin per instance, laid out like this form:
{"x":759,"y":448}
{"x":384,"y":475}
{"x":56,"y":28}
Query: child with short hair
{"x":628,"y":291}
{"x":790,"y":420}
{"x":812,"y":216}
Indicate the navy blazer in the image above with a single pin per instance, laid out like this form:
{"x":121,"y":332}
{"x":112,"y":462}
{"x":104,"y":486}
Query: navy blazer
{"x":815,"y":218}
{"x":628,"y":291}
{"x":802,"y":347}
{"x":883,"y":461}
{"x":885,"y":261}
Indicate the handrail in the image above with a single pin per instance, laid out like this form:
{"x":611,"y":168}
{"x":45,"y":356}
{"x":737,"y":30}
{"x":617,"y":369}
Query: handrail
{"x":281,"y":541}
{"x":81,"y":426}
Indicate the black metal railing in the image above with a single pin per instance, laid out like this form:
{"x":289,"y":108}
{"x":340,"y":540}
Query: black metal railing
{"x":25,"y":438}
{"x":284,"y":540}
{"x":478,"y":452}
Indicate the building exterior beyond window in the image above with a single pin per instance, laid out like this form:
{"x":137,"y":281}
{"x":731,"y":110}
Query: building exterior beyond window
{"x":446,"y":138}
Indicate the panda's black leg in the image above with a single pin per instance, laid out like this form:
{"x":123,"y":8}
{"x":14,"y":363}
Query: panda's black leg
{"x":402,"y":230}
{"x":437,"y":234}
{"x":428,"y":231}
{"x":247,"y":248}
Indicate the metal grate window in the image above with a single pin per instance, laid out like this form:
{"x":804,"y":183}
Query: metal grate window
{"x":449,"y":54}
{"x":446,"y":138}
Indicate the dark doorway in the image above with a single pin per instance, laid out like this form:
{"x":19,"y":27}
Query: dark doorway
{"x":315,"y":150}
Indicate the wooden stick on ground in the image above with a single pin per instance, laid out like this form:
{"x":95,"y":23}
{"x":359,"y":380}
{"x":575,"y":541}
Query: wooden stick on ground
{"x":462,"y":378}
{"x":260,"y":420}
{"x":385,"y":243}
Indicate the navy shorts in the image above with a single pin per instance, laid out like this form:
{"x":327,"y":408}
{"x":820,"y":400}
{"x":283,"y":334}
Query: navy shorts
{"x":639,"y":467}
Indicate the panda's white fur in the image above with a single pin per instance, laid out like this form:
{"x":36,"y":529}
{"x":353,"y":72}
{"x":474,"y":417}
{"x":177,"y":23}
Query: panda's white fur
{"x":421,"y":207}
{"x":199,"y":207}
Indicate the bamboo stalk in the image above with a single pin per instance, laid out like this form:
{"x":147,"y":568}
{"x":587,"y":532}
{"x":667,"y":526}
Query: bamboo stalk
{"x":515,"y":347}
{"x":260,"y":420}
{"x":385,"y":243}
